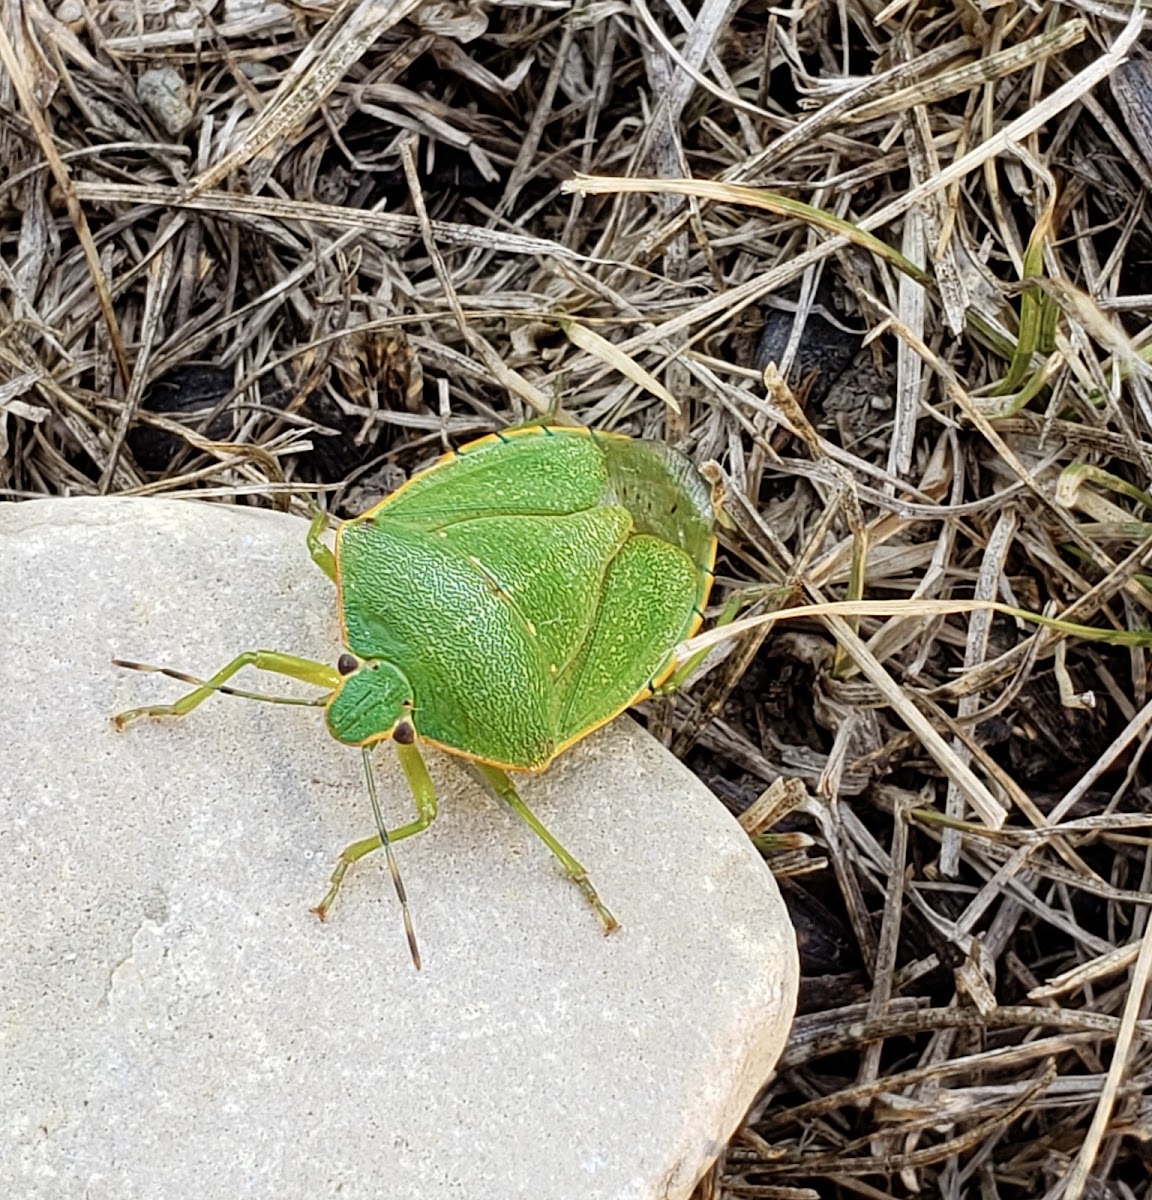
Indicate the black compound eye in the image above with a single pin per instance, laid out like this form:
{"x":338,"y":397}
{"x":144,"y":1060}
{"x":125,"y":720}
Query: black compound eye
{"x":346,"y":664}
{"x":404,"y":734}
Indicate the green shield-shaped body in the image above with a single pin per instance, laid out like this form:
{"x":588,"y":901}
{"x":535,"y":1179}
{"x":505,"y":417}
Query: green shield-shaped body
{"x":521,"y":592}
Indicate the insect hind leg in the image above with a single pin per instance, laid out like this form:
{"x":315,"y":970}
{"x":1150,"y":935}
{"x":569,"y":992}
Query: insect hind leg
{"x":502,"y":786}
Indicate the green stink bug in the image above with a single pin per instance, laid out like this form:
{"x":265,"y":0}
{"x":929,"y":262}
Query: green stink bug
{"x":501,"y":605}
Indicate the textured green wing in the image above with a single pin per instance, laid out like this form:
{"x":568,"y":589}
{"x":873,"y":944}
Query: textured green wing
{"x":663,"y":492}
{"x":549,"y":569}
{"x":534,"y":471}
{"x":478,"y":683}
{"x":647,"y":606}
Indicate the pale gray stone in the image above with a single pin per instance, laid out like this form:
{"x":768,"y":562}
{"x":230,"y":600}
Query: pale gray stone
{"x":175,"y":1021}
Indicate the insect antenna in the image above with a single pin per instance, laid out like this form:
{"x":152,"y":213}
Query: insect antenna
{"x":224,"y":689}
{"x":393,"y":869}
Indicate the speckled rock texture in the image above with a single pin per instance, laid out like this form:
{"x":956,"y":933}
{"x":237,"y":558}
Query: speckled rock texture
{"x":174,"y":1021}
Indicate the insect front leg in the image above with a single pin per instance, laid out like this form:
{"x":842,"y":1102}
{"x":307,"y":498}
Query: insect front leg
{"x":502,"y":786}
{"x":420,"y":784}
{"x":321,"y":555}
{"x":305,"y":669}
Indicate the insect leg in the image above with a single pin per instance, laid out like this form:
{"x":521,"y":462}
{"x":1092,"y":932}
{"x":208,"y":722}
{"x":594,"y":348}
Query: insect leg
{"x":685,"y":669}
{"x":420,"y":783}
{"x":321,"y":555}
{"x":305,"y":669}
{"x":502,"y":786}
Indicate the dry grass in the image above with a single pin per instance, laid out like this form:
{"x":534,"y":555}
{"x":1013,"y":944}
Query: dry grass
{"x":256,"y":250}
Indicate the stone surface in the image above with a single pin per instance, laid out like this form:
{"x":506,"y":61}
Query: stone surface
{"x":175,"y":1022}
